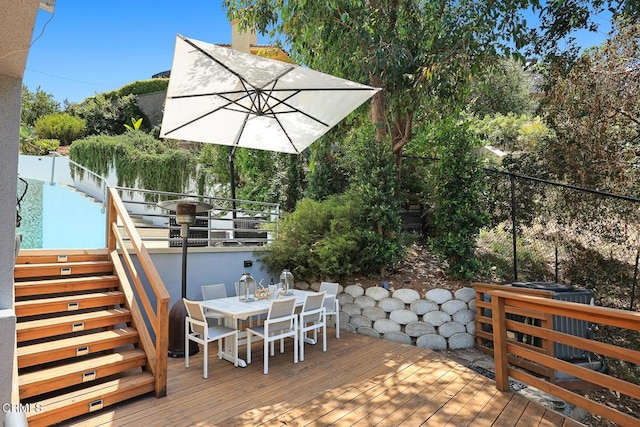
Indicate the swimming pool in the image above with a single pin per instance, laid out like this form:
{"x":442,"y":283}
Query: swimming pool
{"x":55,"y":216}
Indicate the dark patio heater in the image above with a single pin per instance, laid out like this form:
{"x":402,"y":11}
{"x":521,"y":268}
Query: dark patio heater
{"x":186,"y":210}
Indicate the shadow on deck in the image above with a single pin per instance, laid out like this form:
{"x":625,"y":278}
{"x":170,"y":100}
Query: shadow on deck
{"x":358,"y":381}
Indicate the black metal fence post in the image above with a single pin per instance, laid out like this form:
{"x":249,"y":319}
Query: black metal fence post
{"x":513,"y":224}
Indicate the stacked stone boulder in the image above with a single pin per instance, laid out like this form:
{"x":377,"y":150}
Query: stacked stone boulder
{"x":440,"y":320}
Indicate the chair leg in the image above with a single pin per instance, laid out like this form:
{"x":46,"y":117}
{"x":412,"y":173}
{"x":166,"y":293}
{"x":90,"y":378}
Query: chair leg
{"x":295,"y":340}
{"x":301,"y":342}
{"x":266,"y":355}
{"x":248,"y":347}
{"x":206,"y":357}
{"x":337,"y":318}
{"x":324,"y":335}
{"x":186,"y":344}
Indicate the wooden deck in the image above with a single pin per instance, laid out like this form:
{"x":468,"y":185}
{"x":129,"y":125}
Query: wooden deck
{"x":359,"y":381}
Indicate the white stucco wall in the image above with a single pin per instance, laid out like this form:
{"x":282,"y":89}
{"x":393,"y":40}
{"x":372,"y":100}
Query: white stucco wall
{"x":10,"y":91}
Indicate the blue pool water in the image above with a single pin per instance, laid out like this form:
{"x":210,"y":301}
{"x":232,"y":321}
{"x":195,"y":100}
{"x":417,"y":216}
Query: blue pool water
{"x":57,"y":217}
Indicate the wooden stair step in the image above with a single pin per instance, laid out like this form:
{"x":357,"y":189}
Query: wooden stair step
{"x":23,"y":271}
{"x":91,"y":399}
{"x":47,"y":256}
{"x":83,"y":345}
{"x":68,"y":303}
{"x":49,"y":327}
{"x":69,"y":284}
{"x":46,"y":380}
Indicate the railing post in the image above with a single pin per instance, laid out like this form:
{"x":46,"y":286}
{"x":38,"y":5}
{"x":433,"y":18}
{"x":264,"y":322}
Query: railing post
{"x":514,"y":230}
{"x":500,"y":355}
{"x":112,"y":218}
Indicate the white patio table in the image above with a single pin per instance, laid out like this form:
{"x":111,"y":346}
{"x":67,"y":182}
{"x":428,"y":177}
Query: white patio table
{"x":233,"y":309}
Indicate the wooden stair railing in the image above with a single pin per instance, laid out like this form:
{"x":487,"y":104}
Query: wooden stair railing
{"x":82,"y":337}
{"x":158,"y":318}
{"x":541,"y":309}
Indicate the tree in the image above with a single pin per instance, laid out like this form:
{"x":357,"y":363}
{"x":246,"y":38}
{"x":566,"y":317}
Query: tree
{"x":505,"y":87}
{"x":106,"y":115}
{"x":414,"y":50}
{"x":36,"y":104}
{"x":595,"y":112}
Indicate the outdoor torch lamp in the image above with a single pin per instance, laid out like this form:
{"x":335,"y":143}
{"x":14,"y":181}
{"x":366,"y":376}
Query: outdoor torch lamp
{"x":185,"y":210}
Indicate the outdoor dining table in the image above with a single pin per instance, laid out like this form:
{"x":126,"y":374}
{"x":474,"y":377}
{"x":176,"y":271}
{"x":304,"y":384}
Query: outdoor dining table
{"x":233,"y":309}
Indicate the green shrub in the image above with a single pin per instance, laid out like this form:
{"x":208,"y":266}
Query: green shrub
{"x":457,"y":183}
{"x":317,"y":239}
{"x":105,"y":115}
{"x":139,"y":87}
{"x":36,"y":104}
{"x":31,"y":145}
{"x":63,"y":127}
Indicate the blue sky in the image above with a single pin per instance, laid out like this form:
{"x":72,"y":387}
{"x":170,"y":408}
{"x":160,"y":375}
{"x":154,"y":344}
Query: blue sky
{"x":89,"y":47}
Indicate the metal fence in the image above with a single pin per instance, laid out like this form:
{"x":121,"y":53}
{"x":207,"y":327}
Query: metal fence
{"x":231,"y":222}
{"x":552,"y":232}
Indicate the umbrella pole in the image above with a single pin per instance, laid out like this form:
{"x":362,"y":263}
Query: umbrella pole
{"x":232,"y":174}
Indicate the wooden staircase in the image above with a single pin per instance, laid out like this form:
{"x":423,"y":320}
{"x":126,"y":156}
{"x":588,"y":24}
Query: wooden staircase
{"x":77,"y":349}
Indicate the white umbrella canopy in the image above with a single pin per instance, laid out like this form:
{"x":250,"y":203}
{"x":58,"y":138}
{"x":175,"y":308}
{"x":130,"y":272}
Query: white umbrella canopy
{"x":223,"y":96}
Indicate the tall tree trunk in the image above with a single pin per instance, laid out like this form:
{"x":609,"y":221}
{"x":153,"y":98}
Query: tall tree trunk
{"x":378,"y":116}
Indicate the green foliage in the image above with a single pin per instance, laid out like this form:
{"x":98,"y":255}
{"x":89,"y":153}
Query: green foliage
{"x":511,"y":132}
{"x":104,"y":115}
{"x":31,"y":145}
{"x":135,"y":124}
{"x":415,"y":50}
{"x":36,"y":104}
{"x":356,"y":232}
{"x":594,"y":110}
{"x":62,"y":126}
{"x":503,"y":87}
{"x":139,"y":159}
{"x":457,"y":183}
{"x":329,"y":239}
{"x":139,"y":87}
{"x":326,"y":175}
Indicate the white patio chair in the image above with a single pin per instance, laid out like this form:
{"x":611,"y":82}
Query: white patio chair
{"x":216,"y":291}
{"x":281,"y":322}
{"x":197,"y":329}
{"x":312,"y":318}
{"x":331,"y":303}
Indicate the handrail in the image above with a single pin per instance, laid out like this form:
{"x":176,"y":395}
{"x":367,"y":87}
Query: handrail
{"x":543,"y":309}
{"x":104,"y":184}
{"x":223,"y":225}
{"x":158,"y":318}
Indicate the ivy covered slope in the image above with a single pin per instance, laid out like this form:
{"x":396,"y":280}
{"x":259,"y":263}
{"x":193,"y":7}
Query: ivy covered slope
{"x":139,"y":160}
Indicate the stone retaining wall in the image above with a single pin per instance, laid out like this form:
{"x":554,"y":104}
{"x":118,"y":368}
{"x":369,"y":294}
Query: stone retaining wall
{"x":441,"y":320}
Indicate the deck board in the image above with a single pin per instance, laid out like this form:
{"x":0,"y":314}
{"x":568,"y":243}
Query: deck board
{"x":359,"y":381}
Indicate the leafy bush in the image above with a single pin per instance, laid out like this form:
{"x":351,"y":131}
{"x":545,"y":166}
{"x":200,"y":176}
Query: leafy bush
{"x":457,"y":183}
{"x":511,"y":132}
{"x":319,"y":239}
{"x":36,"y":104}
{"x":106,"y":116}
{"x":139,"y":87}
{"x":357,"y":232}
{"x":31,"y":145}
{"x":63,"y":127}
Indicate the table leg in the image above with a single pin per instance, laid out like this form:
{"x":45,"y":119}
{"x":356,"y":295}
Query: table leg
{"x":228,"y":350}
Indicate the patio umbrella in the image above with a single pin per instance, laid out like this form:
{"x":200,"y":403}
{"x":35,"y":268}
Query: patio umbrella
{"x":223,"y":96}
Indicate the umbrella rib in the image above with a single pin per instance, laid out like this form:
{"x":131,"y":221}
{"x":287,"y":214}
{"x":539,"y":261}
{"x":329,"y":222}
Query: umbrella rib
{"x":208,"y":55}
{"x":196,"y":119}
